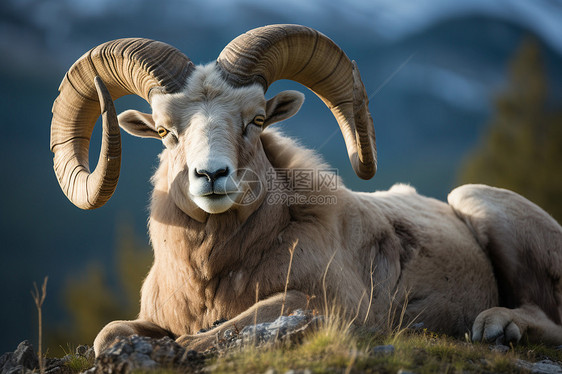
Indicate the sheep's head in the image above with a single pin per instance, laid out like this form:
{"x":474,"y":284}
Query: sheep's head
{"x":209,"y":117}
{"x":211,"y":132}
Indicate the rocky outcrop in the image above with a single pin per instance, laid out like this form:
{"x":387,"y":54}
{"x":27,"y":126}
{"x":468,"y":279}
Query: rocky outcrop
{"x":138,"y":353}
{"x":143,"y":353}
{"x":24,"y":360}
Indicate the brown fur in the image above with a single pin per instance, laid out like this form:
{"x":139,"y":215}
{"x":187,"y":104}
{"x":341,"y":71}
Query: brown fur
{"x":489,"y":260}
{"x":416,"y":249}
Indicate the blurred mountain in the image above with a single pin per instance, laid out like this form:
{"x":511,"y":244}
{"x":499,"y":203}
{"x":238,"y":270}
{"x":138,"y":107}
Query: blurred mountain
{"x":432,"y":72}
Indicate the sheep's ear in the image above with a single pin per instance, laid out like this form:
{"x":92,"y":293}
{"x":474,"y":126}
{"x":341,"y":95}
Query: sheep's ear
{"x":138,"y":124}
{"x":284,"y":105}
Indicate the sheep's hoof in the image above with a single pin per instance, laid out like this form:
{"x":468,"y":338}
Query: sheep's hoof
{"x":496,"y":325}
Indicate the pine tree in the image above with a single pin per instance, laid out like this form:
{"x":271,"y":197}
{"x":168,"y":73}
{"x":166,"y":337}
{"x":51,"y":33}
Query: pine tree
{"x":522,"y":149}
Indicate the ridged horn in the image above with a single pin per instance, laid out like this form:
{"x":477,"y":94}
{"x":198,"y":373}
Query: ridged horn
{"x":126,"y":66}
{"x":306,"y":56}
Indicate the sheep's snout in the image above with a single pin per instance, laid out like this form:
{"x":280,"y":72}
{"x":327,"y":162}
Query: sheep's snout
{"x":213,"y":175}
{"x":212,"y":180}
{"x":214,"y":186}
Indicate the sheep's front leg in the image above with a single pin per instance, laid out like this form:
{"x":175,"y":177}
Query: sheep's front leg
{"x":264,"y":311}
{"x":116,"y":329}
{"x":503,"y":326}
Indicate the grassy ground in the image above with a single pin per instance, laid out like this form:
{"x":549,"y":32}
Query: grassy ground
{"x":332,"y":348}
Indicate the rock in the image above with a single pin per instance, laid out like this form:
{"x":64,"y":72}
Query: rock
{"x":305,"y":371}
{"x":229,"y":334}
{"x":282,"y":327}
{"x":382,"y":350}
{"x":500,"y":348}
{"x":86,"y":351}
{"x":15,"y":370}
{"x":22,"y":360}
{"x":141,"y":361}
{"x":141,"y":346}
{"x":6,"y":357}
{"x":25,"y":356}
{"x":81,"y":350}
{"x":541,"y":367}
{"x":58,"y":369}
{"x":546,"y":366}
{"x":57,"y":366}
{"x":143,"y":354}
{"x":191,"y":355}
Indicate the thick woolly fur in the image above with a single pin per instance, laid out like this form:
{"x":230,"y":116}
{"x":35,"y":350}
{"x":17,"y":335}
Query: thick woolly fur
{"x":489,"y":262}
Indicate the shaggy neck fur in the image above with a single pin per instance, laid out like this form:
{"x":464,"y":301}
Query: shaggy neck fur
{"x":196,"y":260}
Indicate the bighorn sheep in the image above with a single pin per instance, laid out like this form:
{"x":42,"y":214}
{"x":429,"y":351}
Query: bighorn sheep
{"x":489,"y":260}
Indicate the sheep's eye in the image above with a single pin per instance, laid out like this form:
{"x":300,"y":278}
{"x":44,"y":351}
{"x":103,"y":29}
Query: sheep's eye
{"x":162,"y":132}
{"x":259,"y":120}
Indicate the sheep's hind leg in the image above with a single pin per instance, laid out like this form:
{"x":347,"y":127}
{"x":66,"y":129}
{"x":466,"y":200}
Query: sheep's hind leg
{"x":524,"y":245}
{"x":117,"y":329}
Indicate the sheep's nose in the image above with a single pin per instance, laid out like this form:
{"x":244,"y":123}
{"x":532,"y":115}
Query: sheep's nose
{"x":211,"y":175}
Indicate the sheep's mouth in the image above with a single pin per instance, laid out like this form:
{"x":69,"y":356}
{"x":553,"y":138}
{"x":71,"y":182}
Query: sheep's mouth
{"x":214,"y":203}
{"x":215,"y":196}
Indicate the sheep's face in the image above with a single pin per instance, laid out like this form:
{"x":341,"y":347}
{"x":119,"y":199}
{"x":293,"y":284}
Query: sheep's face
{"x":211,"y":132}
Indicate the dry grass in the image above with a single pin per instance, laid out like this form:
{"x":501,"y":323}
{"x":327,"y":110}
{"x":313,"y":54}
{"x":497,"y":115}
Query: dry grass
{"x":78,"y":364}
{"x":334,"y":345}
{"x":39,"y":299}
{"x":292,"y":252}
{"x":321,"y":349}
{"x":333,"y":348}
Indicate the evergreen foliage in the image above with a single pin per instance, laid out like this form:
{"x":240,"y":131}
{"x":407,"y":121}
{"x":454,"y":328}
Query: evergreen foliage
{"x":522,"y":148}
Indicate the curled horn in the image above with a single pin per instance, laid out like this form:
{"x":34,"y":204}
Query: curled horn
{"x":304,"y":55}
{"x":105,"y":73}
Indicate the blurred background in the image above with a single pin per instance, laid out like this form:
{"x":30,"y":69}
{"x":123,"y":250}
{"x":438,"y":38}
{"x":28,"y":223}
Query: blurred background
{"x":460,"y":92}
